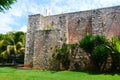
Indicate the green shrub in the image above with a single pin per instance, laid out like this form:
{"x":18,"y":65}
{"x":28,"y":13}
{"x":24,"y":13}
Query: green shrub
{"x":87,"y":43}
{"x":114,"y":47}
{"x":63,"y":55}
{"x":100,"y":39}
{"x":99,"y":56}
{"x":96,"y":46}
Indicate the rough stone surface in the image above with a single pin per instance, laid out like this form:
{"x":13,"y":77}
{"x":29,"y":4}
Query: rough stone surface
{"x":33,"y":23}
{"x":45,"y":44}
{"x":79,"y":59}
{"x":78,"y":25}
{"x":45,"y":33}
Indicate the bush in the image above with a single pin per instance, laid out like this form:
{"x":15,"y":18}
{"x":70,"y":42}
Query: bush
{"x":99,"y":56}
{"x":96,"y":46}
{"x":63,"y":56}
{"x":114,"y":47}
{"x":87,"y":43}
{"x":100,"y":39}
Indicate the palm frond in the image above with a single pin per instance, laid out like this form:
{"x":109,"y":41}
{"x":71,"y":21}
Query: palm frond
{"x":4,"y":54}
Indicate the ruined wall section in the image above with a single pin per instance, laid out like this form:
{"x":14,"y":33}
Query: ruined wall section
{"x":46,"y":42}
{"x":106,"y":21}
{"x":59,"y":23}
{"x":55,"y":25}
{"x":34,"y":22}
{"x":49,"y":34}
{"x":79,"y":24}
{"x":48,"y":37}
{"x":45,"y":33}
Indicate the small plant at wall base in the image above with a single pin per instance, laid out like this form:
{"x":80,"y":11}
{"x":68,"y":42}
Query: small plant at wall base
{"x":63,"y":56}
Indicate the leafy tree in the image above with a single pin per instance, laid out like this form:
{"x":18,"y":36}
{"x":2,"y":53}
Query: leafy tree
{"x":6,"y":4}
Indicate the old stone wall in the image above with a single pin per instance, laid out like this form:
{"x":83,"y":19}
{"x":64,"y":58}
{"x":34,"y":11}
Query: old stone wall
{"x":33,"y":23}
{"x":46,"y":43}
{"x":106,"y":21}
{"x":78,"y":25}
{"x":45,"y":33}
{"x":79,"y":59}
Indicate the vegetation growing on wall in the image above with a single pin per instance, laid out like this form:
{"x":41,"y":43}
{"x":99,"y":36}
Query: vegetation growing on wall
{"x":47,"y":27}
{"x":63,"y":56}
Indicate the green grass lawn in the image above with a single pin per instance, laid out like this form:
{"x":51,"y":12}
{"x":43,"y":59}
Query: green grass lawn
{"x":17,"y":74}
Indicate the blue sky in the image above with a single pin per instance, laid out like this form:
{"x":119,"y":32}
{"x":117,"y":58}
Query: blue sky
{"x":16,"y":17}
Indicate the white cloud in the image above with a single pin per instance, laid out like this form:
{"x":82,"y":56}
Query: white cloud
{"x":24,"y":8}
{"x":5,"y":22}
{"x":61,"y":6}
{"x":8,"y":20}
{"x":23,"y":28}
{"x":5,"y":29}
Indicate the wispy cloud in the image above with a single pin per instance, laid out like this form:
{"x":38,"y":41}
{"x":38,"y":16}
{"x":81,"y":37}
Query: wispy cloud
{"x":6,"y":21}
{"x":23,"y":8}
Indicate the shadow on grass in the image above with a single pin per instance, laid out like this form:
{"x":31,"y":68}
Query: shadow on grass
{"x":98,"y":72}
{"x":88,"y":72}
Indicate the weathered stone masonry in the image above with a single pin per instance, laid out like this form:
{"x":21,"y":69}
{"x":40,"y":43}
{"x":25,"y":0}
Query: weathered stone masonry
{"x":45,"y":33}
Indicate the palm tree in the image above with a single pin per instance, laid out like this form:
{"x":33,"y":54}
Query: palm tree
{"x":11,"y":44}
{"x":6,"y":4}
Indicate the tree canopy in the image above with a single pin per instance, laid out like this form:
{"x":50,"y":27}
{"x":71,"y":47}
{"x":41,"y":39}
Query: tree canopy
{"x":6,"y":4}
{"x":12,"y":47}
